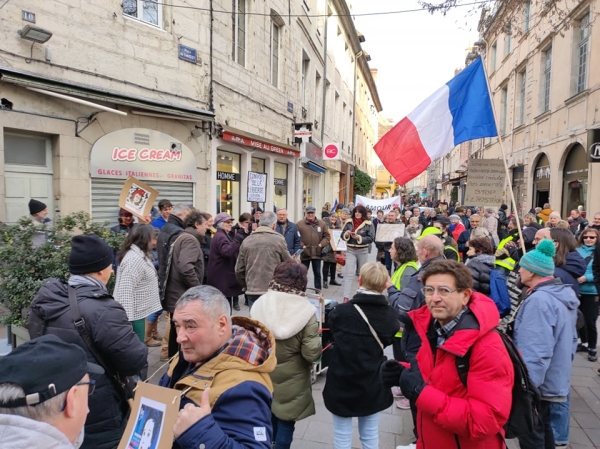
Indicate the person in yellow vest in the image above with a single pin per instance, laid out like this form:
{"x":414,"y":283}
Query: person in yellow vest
{"x":507,"y":252}
{"x":450,"y":252}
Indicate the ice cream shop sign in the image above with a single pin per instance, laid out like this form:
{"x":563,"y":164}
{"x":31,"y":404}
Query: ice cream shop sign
{"x":143,"y":153}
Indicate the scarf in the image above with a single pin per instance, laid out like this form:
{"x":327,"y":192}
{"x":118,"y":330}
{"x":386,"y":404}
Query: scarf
{"x":356,"y":222}
{"x":276,"y":286}
{"x":78,"y":279}
{"x":366,"y":292}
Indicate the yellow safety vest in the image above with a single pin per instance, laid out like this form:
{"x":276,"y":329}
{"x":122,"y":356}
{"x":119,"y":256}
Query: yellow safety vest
{"x":447,"y":247}
{"x":508,"y":262}
{"x":397,"y":277}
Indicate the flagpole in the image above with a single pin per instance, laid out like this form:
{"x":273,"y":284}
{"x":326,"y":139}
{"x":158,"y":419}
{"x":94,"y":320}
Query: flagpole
{"x":512,"y":195}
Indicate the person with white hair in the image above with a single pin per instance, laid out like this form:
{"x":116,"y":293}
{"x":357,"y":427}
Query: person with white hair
{"x":490,"y":222}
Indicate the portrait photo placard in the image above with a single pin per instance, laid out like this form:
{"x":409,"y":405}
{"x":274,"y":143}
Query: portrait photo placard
{"x":137,"y":197}
{"x":153,"y":415}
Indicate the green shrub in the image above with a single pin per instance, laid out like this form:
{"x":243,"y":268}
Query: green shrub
{"x":24,"y":266}
{"x":362,"y":182}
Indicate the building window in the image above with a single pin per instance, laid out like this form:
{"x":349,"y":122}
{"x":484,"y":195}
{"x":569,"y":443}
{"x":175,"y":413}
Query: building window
{"x":526,"y":10}
{"x":148,"y":11}
{"x":239,"y":32}
{"x":305,"y":93}
{"x":582,"y":53}
{"x":280,"y":181}
{"x":507,"y":39}
{"x":522,"y":93}
{"x":494,"y":54}
{"x":503,"y":109}
{"x":275,"y":34}
{"x":547,"y":55}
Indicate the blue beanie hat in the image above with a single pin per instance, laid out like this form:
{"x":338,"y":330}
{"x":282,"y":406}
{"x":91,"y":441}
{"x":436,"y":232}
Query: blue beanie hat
{"x":541,"y":259}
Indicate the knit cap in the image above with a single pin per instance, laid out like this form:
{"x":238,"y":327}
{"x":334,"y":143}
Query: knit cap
{"x":541,"y":259}
{"x":89,"y":254}
{"x":36,"y":206}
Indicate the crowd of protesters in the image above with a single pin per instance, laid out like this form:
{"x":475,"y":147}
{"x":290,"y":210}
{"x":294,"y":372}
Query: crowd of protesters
{"x":434,"y":294}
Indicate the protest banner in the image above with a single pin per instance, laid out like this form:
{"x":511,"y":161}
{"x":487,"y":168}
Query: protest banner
{"x":137,"y":197}
{"x":387,"y":232}
{"x":485,"y":182}
{"x":385,"y":205}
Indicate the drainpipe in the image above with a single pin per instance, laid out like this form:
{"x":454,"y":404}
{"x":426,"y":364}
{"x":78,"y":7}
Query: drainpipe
{"x":211,"y":105}
{"x":324,"y":83}
{"x":356,"y":56}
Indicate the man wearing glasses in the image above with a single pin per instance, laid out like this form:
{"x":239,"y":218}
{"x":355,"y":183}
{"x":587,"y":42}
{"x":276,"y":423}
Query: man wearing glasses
{"x":44,"y":388}
{"x":454,"y":321}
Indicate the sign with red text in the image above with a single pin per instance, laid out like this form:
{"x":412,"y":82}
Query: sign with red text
{"x":144,"y":154}
{"x":331,"y":152}
{"x":261,"y":145}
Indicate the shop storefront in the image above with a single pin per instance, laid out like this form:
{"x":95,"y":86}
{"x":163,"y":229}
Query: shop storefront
{"x":541,"y":181}
{"x":575,"y":180}
{"x":313,"y":182}
{"x":156,"y":158}
{"x":518,"y":187}
{"x":252,"y":170}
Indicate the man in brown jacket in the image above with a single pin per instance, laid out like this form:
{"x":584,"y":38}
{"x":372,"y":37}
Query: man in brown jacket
{"x":260,"y":253}
{"x":315,"y":236}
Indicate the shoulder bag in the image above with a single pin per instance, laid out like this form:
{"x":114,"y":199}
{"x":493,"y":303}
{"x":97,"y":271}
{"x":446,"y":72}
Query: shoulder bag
{"x":362,"y":314}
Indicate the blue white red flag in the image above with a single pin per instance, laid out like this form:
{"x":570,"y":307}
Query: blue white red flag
{"x":461,"y":110}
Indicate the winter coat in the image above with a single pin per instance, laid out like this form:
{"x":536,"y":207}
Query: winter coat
{"x":464,"y":238}
{"x":136,"y":287}
{"x":410,"y":297}
{"x":353,"y":386}
{"x":159,"y":222}
{"x":480,"y":267}
{"x":466,"y":221}
{"x":573,"y":268}
{"x":240,"y":391}
{"x":314,"y":236}
{"x":291,"y":236}
{"x":260,"y":253}
{"x":491,"y":224}
{"x":545,"y":334}
{"x":328,"y":252}
{"x":450,"y":414}
{"x":206,"y":241}
{"x":588,"y":287}
{"x":545,"y":214}
{"x":187,"y":267}
{"x":166,"y":237}
{"x":17,"y":432}
{"x":458,"y":230}
{"x":365,"y":234}
{"x":292,"y":320}
{"x":111,"y":332}
{"x":221,"y":263}
{"x":576,"y":225}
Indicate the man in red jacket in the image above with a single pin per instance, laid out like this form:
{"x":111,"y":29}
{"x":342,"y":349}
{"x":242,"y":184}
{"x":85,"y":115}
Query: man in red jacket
{"x":454,"y":321}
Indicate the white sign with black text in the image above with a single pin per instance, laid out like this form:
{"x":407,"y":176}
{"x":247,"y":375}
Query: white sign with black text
{"x":257,"y":187}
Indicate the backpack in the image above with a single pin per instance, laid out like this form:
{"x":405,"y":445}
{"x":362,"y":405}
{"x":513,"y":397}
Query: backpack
{"x":499,"y":292}
{"x":524,"y":411}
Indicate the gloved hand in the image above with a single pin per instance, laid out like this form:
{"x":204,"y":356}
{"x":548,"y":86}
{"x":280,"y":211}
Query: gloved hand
{"x":411,"y":382}
{"x":390,"y":372}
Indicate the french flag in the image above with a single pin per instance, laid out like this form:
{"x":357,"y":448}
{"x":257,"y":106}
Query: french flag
{"x":461,"y":110}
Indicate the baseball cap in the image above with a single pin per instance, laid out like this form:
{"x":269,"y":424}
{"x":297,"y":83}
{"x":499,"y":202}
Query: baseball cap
{"x":44,"y":368}
{"x":310,"y":209}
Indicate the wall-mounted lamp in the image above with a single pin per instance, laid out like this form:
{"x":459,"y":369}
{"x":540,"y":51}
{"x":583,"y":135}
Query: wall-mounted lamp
{"x":35,"y":34}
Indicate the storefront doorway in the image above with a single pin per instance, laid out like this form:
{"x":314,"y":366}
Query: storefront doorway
{"x":541,"y":181}
{"x":575,"y":180}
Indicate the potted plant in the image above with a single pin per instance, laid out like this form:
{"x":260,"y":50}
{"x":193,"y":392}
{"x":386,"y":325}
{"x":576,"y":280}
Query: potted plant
{"x":29,"y":254}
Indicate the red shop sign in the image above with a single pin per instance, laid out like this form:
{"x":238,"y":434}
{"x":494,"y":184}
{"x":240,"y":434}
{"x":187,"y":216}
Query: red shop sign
{"x":260,"y":145}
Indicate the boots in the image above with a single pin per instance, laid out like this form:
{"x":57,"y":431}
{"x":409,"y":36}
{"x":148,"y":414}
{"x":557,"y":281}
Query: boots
{"x":236,"y":304}
{"x":155,"y":333}
{"x":148,"y":338}
{"x":164,"y":350}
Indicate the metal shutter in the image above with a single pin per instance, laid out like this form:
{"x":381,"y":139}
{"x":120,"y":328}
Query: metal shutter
{"x":106,"y":192}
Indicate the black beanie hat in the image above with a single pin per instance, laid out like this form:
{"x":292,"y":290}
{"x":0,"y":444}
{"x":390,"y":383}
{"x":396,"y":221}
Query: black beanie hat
{"x":36,"y":206}
{"x":89,"y":254}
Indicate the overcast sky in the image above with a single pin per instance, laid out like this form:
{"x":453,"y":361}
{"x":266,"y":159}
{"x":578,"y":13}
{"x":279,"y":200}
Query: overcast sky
{"x":415,"y":53}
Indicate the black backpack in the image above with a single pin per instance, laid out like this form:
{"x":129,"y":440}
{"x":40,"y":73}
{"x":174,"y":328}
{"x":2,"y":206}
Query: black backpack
{"x":525,"y":395}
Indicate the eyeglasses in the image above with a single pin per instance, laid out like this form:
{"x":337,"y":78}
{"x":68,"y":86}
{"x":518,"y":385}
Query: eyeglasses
{"x":536,"y":239}
{"x":443,"y":292}
{"x":91,"y":388}
{"x":589,"y":237}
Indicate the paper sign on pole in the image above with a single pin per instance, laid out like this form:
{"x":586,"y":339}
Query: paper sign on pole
{"x":385,"y":205}
{"x":137,"y":197}
{"x":257,"y":187}
{"x":485,"y":182}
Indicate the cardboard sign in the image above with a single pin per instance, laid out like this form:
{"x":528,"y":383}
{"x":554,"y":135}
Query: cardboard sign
{"x":485,"y":182}
{"x":387,"y":232}
{"x":153,"y":415}
{"x":336,"y":240}
{"x":137,"y":197}
{"x":257,"y":187}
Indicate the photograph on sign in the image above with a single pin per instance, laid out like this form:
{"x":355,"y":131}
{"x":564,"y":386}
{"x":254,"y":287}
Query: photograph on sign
{"x":485,"y":182}
{"x":387,"y":232}
{"x":137,"y":197}
{"x":153,"y":415}
{"x":337,"y":242}
{"x":257,"y":187}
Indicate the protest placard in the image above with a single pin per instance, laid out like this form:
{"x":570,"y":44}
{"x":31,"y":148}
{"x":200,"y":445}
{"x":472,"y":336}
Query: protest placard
{"x":485,"y":182}
{"x":337,"y":242}
{"x":387,"y":232}
{"x":137,"y":197}
{"x":257,"y":187}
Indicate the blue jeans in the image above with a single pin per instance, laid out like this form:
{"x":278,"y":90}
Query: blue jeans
{"x":559,"y":420}
{"x":283,"y":432}
{"x":153,"y":317}
{"x":368,"y":431}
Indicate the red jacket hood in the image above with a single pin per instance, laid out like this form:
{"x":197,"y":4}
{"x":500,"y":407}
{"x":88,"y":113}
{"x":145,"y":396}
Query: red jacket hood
{"x":484,"y":310}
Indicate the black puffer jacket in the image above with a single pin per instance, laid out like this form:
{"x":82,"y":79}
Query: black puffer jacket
{"x":166,"y":237}
{"x":480,"y":267}
{"x":111,"y":332}
{"x":353,"y":387}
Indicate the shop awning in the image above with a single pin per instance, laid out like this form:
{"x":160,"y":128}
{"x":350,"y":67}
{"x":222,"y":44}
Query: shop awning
{"x":158,"y":109}
{"x":315,"y":167}
{"x":255,"y":141}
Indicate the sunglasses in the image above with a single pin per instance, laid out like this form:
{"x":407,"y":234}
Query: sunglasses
{"x":589,"y":237}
